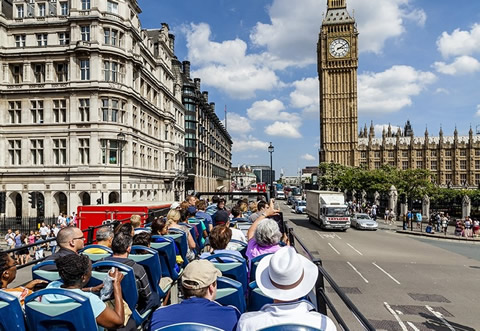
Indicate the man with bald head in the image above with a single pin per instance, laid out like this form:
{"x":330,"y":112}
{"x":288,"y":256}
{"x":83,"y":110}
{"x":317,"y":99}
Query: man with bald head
{"x":70,"y":241}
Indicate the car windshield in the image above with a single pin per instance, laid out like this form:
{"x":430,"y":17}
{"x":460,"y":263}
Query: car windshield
{"x":363,"y":217}
{"x":340,"y":211}
{"x":301,"y":203}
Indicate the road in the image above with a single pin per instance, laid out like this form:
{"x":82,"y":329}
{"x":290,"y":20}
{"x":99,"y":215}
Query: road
{"x":398,"y":282}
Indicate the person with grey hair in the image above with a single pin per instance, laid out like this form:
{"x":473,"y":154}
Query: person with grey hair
{"x":264,"y":235}
{"x":104,"y":238}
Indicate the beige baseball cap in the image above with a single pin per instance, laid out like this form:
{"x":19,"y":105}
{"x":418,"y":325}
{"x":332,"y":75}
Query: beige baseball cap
{"x":199,"y":274}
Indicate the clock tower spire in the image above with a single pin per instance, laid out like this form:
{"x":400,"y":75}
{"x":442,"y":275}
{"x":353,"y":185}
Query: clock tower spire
{"x":337,"y":62}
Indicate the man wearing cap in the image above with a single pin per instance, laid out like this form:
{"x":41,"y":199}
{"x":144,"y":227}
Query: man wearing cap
{"x":199,"y":286}
{"x":223,"y":218}
{"x":286,"y":277}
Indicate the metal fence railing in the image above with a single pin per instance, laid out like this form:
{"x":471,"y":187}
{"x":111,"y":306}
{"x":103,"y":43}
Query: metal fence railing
{"x":24,"y":224}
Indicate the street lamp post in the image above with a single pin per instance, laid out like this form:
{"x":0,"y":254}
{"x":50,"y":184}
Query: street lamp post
{"x":270,"y":150}
{"x":121,"y":140}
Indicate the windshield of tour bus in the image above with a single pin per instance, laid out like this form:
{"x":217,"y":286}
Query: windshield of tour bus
{"x":339,"y":211}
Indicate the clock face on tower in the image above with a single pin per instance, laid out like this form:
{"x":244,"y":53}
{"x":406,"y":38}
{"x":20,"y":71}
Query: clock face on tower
{"x":339,"y":48}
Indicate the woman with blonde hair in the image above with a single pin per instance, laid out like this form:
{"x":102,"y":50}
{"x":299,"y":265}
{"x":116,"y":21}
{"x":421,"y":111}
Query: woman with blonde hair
{"x":173,"y":218}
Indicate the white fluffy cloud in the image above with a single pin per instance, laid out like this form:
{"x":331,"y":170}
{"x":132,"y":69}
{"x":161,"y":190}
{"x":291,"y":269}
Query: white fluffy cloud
{"x":238,"y":124}
{"x":306,"y":95}
{"x":460,"y":42}
{"x":226,"y":65}
{"x":460,"y":66}
{"x":283,"y":129}
{"x":478,"y":111}
{"x":391,"y":90}
{"x":308,"y":157}
{"x":270,"y":111}
{"x":442,"y":90}
{"x":248,"y":144}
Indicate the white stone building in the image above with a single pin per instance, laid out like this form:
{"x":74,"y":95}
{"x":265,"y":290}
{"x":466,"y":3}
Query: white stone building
{"x":73,"y":76}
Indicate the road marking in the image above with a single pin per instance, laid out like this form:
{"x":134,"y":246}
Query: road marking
{"x":355,"y":269}
{"x":413,"y":326}
{"x":386,"y":273}
{"x":356,"y":250}
{"x":336,"y":235}
{"x":325,"y":235}
{"x":440,"y":317}
{"x":402,"y":325}
{"x":334,"y":248}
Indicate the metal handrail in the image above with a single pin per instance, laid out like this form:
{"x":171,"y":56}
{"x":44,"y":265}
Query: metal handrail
{"x":322,"y":299}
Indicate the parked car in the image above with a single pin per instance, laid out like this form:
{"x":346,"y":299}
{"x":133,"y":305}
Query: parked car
{"x":363,"y":222}
{"x":300,"y":206}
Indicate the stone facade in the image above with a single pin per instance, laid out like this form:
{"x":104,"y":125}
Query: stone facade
{"x":73,"y":75}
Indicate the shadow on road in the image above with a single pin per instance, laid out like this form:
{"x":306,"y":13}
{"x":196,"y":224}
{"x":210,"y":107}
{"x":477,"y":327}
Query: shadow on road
{"x":433,"y":323}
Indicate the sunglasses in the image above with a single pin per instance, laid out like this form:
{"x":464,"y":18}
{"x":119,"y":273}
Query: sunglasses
{"x":78,"y":238}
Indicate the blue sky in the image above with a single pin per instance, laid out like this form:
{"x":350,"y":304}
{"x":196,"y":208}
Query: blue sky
{"x":419,"y":60}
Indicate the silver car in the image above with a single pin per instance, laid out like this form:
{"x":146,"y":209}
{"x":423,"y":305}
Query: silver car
{"x":363,"y":222}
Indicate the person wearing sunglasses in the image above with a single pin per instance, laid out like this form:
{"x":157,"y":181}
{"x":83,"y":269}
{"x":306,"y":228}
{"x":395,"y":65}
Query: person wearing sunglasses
{"x":70,"y":240}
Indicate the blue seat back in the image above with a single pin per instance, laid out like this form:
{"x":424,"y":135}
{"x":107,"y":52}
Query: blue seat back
{"x":11,"y":312}
{"x":236,"y":270}
{"x":180,"y":238}
{"x":188,"y":327}
{"x":256,"y":298}
{"x":76,"y":314}
{"x":129,"y":286}
{"x":148,"y":258}
{"x":254,"y":264}
{"x":49,"y":276}
{"x":167,"y":255}
{"x":290,"y":327}
{"x":230,"y":292}
{"x":96,"y":257}
{"x":196,"y":232}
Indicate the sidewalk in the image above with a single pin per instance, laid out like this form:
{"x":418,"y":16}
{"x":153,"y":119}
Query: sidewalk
{"x":438,"y":235}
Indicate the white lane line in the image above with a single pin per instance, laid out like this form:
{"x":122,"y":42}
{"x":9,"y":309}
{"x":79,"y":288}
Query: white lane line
{"x":413,"y":326}
{"x":323,"y":235}
{"x":440,"y":317}
{"x":334,"y":249}
{"x":402,"y":325}
{"x":336,"y":235}
{"x":356,"y":250}
{"x":386,"y":273}
{"x":355,"y":269}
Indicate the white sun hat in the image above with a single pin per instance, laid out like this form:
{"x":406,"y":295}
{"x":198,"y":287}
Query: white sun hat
{"x":175,"y":205}
{"x":286,"y":275}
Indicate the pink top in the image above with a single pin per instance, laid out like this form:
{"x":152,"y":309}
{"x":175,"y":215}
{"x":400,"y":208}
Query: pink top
{"x":254,"y":250}
{"x":31,"y":239}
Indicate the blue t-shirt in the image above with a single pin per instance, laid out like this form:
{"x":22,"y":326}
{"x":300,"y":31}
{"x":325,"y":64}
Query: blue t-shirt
{"x":197,"y":310}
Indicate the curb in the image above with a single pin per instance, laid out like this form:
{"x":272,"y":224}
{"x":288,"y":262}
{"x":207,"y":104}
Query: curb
{"x":436,"y":236}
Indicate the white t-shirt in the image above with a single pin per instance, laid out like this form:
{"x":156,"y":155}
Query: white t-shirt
{"x":44,"y":230}
{"x":299,"y":312}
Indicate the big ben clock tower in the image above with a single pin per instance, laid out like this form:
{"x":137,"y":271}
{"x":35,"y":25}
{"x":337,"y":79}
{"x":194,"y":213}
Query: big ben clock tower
{"x":337,"y":52}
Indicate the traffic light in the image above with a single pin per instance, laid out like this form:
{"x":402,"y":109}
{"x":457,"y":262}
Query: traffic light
{"x":32,"y":199}
{"x":3,"y":198}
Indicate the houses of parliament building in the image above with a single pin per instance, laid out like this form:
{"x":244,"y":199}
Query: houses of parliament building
{"x":454,"y":161}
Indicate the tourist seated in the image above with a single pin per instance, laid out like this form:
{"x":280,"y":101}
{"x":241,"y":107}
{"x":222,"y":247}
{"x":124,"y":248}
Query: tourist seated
{"x":201,"y":206}
{"x":237,"y":234}
{"x":8,"y":272}
{"x":264,"y":235}
{"x":213,"y":207}
{"x":121,"y":247}
{"x":75,"y":272}
{"x":125,"y":228}
{"x":199,"y":287}
{"x":219,"y":238}
{"x":191,"y":219}
{"x":237,"y":215}
{"x":261,"y":207}
{"x":136,"y":221}
{"x":220,"y":207}
{"x":173,"y":218}
{"x":286,"y":277}
{"x":143,"y":238}
{"x":104,"y":238}
{"x":71,"y":240}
